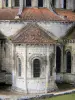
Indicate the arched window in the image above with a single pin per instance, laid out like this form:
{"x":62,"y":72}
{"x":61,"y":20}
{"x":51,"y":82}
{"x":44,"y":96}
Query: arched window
{"x":6,"y":3}
{"x":58,"y":59}
{"x":68,"y":61}
{"x":64,"y":4}
{"x":16,"y":3}
{"x":36,"y":68}
{"x":19,"y":67}
{"x":51,"y":66}
{"x":28,"y":3}
{"x":40,"y":3}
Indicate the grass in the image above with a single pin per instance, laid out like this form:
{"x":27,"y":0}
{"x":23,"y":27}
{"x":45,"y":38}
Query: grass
{"x":63,"y":86}
{"x":63,"y":97}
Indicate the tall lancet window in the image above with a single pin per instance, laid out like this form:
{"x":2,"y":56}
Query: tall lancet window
{"x":58,"y":59}
{"x":53,"y":3}
{"x":6,"y":3}
{"x":28,"y":3}
{"x":68,"y":61}
{"x":64,"y":4}
{"x":40,"y":3}
{"x":19,"y":67}
{"x":16,"y":3}
{"x":36,"y":68}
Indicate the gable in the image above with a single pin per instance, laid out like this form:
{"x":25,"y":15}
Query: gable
{"x":32,"y":34}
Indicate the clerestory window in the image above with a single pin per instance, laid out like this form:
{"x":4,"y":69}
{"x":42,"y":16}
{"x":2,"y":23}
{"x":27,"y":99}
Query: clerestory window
{"x":53,"y":3}
{"x":40,"y":3}
{"x":16,"y":3}
{"x":6,"y":3}
{"x":28,"y":3}
{"x":64,"y":4}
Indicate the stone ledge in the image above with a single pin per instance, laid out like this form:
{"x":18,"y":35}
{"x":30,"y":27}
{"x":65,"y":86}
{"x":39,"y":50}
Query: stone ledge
{"x":48,"y":95}
{"x":34,"y":96}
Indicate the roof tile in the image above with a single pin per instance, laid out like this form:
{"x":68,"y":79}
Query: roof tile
{"x":32,"y":34}
{"x":69,"y":14}
{"x":37,"y":14}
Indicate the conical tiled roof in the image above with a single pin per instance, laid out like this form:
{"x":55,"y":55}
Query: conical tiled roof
{"x":68,"y":14}
{"x":37,"y":14}
{"x":8,"y":14}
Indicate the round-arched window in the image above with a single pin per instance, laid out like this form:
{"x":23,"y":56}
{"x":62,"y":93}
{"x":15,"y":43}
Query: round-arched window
{"x":16,"y":3}
{"x":6,"y":3}
{"x":19,"y":67}
{"x":36,"y":68}
{"x":58,"y":59}
{"x":68,"y":61}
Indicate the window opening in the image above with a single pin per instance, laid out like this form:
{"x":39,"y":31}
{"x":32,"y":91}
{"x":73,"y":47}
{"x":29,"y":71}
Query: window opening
{"x":40,"y":3}
{"x":58,"y":59}
{"x":28,"y":3}
{"x":36,"y":68}
{"x":68,"y":59}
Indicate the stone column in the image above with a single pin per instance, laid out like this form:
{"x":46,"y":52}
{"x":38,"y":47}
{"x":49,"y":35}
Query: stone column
{"x":44,"y":3}
{"x":12,"y":3}
{"x":3,"y":3}
{"x":20,"y":7}
{"x":9,"y":3}
{"x":48,"y":3}
{"x":34,"y":3}
{"x":14,"y":67}
{"x":0,"y":3}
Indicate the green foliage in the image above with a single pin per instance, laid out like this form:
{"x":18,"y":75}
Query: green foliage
{"x":63,"y":97}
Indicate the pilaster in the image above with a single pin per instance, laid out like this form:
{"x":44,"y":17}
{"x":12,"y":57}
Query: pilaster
{"x":14,"y":68}
{"x":26,"y":69}
{"x":47,"y":70}
{"x":9,"y":3}
{"x":44,"y":3}
{"x":48,"y":2}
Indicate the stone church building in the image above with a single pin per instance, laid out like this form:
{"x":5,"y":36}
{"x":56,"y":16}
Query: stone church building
{"x":37,"y":44}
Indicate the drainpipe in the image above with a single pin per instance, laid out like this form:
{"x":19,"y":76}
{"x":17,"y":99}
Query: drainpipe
{"x":26,"y":69}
